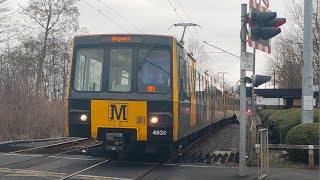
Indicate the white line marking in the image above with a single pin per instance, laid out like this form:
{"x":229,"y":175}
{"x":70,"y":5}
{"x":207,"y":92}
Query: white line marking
{"x":132,"y":162}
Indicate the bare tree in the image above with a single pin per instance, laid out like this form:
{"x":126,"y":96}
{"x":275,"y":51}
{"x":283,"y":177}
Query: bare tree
{"x":197,"y":49}
{"x":6,"y":26}
{"x":52,"y":16}
{"x":287,"y":59}
{"x":36,"y":62}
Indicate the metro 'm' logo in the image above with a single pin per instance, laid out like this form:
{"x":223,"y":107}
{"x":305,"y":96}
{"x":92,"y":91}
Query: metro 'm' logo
{"x":118,"y":111}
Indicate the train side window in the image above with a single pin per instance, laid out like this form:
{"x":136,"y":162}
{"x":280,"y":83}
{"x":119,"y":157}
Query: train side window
{"x":194,"y":80}
{"x":201,"y":87}
{"x":88,"y":72}
{"x":204,"y":89}
{"x":211,"y":89}
{"x":197,"y":85}
{"x":207,"y":89}
{"x":184,"y":75}
{"x":187,"y":78}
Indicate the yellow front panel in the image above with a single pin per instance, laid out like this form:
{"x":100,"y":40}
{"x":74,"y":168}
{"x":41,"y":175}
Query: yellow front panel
{"x":119,"y":114}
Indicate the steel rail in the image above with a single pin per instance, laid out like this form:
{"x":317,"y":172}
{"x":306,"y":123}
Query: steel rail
{"x":50,"y":145}
{"x":5,"y":143}
{"x":95,"y":145}
{"x":90,"y":167}
{"x":47,"y":155}
{"x":172,"y":158}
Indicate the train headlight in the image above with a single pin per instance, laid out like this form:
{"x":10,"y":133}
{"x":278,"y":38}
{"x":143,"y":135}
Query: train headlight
{"x":83,"y":117}
{"x":154,"y":120}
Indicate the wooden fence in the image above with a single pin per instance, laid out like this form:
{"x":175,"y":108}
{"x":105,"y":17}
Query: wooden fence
{"x":311,"y":149}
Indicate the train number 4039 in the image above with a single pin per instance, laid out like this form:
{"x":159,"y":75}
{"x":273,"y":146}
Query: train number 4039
{"x":159,"y":132}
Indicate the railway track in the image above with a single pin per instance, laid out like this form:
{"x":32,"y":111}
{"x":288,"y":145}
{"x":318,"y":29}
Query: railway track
{"x":102,"y":163}
{"x":25,"y":145}
{"x":218,"y":157}
{"x":184,"y":157}
{"x":170,"y":160}
{"x":61,"y":144}
{"x":58,"y":147}
{"x":83,"y":170}
{"x":79,"y":148}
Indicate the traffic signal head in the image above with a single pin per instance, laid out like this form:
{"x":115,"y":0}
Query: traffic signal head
{"x":265,"y":25}
{"x":257,"y":80}
{"x":248,"y":80}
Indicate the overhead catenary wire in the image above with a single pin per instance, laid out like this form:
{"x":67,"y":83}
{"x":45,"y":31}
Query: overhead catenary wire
{"x":175,"y":10}
{"x":187,"y":15}
{"x":188,"y":29}
{"x":194,"y":27}
{"x":106,"y":16}
{"x":221,"y":49}
{"x":102,"y":1}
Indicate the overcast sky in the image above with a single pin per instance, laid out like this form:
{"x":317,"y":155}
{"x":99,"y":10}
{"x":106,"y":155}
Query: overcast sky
{"x":219,"y":19}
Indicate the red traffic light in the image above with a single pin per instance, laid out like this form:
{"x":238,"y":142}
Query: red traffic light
{"x":249,"y":112}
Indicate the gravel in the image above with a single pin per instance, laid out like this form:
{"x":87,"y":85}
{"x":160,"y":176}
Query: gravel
{"x":225,"y":139}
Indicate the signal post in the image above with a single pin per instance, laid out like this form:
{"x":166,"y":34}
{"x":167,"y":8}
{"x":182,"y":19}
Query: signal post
{"x":263,"y":25}
{"x":242,"y":139}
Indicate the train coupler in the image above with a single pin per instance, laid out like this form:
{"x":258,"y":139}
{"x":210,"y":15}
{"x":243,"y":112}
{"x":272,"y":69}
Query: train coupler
{"x":114,"y":142}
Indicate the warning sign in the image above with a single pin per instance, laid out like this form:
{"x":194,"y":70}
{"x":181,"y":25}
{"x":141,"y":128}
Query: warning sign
{"x":259,"y":100}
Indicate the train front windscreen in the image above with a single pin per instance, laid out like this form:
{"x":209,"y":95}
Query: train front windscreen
{"x":125,"y":69}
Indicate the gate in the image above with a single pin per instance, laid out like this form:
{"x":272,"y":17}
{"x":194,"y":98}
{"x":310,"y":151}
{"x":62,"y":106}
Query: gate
{"x":263,"y":153}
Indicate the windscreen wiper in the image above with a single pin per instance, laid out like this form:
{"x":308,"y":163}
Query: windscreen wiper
{"x":158,"y":67}
{"x":144,"y":60}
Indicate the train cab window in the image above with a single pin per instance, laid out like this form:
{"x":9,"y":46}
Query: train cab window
{"x":154,"y":71}
{"x":120,"y":70}
{"x":88,"y":70}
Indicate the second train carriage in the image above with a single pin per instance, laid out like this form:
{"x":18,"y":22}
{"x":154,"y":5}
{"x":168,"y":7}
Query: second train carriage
{"x":140,"y":90}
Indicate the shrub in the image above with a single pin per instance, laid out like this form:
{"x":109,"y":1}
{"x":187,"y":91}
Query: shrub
{"x":292,"y":119}
{"x":265,"y":114}
{"x":31,"y":117}
{"x":273,"y":125}
{"x":289,"y":121}
{"x":306,"y":134}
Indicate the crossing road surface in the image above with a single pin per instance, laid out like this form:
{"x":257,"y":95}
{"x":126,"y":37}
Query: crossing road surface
{"x":55,"y":167}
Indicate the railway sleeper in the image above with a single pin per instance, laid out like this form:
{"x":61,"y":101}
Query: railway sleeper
{"x":196,"y":157}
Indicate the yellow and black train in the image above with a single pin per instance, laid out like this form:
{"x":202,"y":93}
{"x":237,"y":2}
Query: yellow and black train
{"x":140,"y":90}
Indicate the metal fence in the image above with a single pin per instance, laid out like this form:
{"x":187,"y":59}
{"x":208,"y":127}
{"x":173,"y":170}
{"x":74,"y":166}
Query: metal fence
{"x":263,"y":153}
